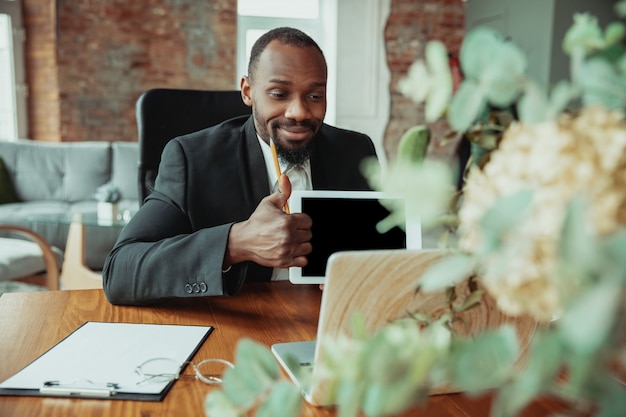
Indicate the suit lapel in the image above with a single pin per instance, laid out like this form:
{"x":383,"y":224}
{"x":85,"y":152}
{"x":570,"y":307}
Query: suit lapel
{"x":257,"y":182}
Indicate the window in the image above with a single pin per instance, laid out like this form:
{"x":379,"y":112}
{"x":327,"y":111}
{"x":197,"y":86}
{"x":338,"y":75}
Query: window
{"x":317,"y":18}
{"x":13,"y":120}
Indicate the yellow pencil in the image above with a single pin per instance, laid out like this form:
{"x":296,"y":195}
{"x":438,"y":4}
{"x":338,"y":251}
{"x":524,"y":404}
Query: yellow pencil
{"x":277,"y":166}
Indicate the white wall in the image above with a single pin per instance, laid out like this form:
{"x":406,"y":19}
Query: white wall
{"x":362,"y":78}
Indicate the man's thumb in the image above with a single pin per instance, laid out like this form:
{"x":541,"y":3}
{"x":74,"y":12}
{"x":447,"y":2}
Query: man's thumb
{"x":284,"y":185}
{"x":284,"y":189}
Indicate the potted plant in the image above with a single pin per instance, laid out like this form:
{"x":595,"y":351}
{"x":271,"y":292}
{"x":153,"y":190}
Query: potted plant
{"x":108,"y":196}
{"x":540,"y":224}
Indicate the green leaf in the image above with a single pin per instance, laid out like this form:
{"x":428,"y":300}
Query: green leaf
{"x":577,"y":248}
{"x":385,"y":400}
{"x":478,"y":49}
{"x":440,"y":88}
{"x":544,"y":361}
{"x":487,"y":361}
{"x":349,"y":397}
{"x":284,"y":400}
{"x":472,"y":300}
{"x":587,"y":323}
{"x":614,"y":33}
{"x":468,"y":102}
{"x":217,"y":403}
{"x":584,"y":35}
{"x":533,"y":105}
{"x":620,"y":8}
{"x":255,"y":356}
{"x":503,"y":79}
{"x":502,"y":216}
{"x":616,"y":249}
{"x":446,"y":273}
{"x":562,"y":94}
{"x":413,"y":144}
{"x":237,"y":387}
{"x":600,"y":84}
{"x":255,"y":370}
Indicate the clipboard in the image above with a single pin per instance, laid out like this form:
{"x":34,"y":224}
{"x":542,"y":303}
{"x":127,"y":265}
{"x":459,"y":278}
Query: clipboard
{"x":98,"y":360}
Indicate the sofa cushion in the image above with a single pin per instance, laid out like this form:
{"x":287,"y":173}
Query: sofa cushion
{"x":56,"y":171}
{"x":21,"y":258}
{"x":7,"y":191}
{"x":124,"y":168}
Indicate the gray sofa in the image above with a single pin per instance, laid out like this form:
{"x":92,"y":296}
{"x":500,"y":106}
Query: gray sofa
{"x":52,"y":178}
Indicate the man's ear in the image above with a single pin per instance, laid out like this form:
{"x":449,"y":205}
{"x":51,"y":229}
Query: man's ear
{"x":246,"y":91}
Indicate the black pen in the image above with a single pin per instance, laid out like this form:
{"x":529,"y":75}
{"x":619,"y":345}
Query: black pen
{"x":74,"y":390}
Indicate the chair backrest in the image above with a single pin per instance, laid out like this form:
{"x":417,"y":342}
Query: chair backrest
{"x":163,"y":114}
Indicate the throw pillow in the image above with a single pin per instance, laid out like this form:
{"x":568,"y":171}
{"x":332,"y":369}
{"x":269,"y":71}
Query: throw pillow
{"x":7,"y":190}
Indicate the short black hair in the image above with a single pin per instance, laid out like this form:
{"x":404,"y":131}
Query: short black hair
{"x":286,"y":36}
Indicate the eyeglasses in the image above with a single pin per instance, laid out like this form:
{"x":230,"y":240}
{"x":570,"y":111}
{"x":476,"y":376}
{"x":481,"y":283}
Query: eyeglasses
{"x":159,"y":370}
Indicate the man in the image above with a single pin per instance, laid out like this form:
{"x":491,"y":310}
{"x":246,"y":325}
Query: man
{"x":215,"y":218}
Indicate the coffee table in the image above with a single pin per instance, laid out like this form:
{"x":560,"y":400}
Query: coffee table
{"x":75,"y":274}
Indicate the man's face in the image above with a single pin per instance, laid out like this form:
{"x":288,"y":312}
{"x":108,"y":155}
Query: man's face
{"x":287,"y":93}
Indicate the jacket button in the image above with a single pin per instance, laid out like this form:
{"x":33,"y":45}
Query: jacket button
{"x":188,"y":289}
{"x":203,"y":287}
{"x":195,"y":287}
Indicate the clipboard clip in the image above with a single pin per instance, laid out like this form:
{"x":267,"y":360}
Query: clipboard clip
{"x":82,"y":388}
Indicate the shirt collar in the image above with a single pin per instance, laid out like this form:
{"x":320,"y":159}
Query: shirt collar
{"x":269,"y":163}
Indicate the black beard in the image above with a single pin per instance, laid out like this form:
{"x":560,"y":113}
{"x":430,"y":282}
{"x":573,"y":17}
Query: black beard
{"x":297,"y":156}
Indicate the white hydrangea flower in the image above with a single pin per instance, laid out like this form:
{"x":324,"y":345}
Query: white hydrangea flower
{"x":581,"y":155}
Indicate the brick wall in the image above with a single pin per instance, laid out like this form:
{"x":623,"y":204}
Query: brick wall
{"x":41,"y":70}
{"x":411,"y":24}
{"x":89,"y":60}
{"x":109,"y":51}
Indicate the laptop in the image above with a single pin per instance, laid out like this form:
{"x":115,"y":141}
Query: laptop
{"x":380,"y":285}
{"x":347,"y":220}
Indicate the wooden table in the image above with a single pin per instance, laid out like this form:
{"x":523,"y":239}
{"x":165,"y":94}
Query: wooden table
{"x":31,"y":323}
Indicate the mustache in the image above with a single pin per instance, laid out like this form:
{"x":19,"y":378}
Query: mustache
{"x":294,"y":123}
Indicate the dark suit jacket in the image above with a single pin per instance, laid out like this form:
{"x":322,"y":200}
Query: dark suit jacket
{"x":175,"y":244}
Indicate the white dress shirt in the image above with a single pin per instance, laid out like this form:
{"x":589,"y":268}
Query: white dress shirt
{"x":300,"y":178}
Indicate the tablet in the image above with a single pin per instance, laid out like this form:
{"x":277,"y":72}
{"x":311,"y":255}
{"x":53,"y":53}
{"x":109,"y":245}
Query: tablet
{"x":346,"y":220}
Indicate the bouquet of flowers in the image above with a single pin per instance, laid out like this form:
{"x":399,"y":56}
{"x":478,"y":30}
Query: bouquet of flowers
{"x":541,"y":226}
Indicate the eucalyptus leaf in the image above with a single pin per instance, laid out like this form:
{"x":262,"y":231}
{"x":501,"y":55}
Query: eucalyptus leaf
{"x":468,"y":102}
{"x":544,"y":361}
{"x":350,"y":397}
{"x":533,"y":105}
{"x":487,"y":361}
{"x":503,"y":215}
{"x":562,"y":94}
{"x":503,"y":79}
{"x":620,"y":8}
{"x":472,"y":300}
{"x":577,"y":248}
{"x":237,"y":387}
{"x":478,"y":49}
{"x":440,"y":88}
{"x":255,"y":370}
{"x":217,"y":403}
{"x":584,"y":35}
{"x":614,"y":33}
{"x":252,"y":354}
{"x":600,"y":84}
{"x":414,"y":144}
{"x":447,"y":272}
{"x":587,"y":324}
{"x":385,"y":400}
{"x":284,"y":400}
{"x":616,"y":248}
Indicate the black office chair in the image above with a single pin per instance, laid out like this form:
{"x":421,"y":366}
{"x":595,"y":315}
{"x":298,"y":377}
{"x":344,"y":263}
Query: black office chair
{"x":163,"y":114}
